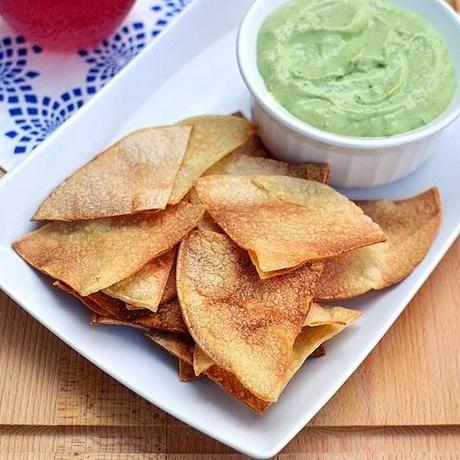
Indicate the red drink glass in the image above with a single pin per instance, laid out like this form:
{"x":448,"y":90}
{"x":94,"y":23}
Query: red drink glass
{"x":65,"y":24}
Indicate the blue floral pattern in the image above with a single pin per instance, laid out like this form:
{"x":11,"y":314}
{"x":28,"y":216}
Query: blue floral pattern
{"x":32,"y":111}
{"x":14,"y":75}
{"x":112,"y":55}
{"x":35,"y":118}
{"x":169,"y":8}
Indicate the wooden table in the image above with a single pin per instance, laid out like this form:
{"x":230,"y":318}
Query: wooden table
{"x":403,"y":402}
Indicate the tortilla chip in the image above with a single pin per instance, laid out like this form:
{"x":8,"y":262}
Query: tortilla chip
{"x":181,"y":346}
{"x":186,"y":373}
{"x":95,"y":304}
{"x":135,"y":174}
{"x":253,"y":147}
{"x":270,"y":274}
{"x":319,"y":316}
{"x":236,"y":318}
{"x":110,"y":311}
{"x":213,"y":136}
{"x":233,"y":386}
{"x":236,"y":164}
{"x":301,"y":351}
{"x":319,"y":352}
{"x":311,"y":338}
{"x":284,"y":221}
{"x":97,"y":319}
{"x":308,"y":344}
{"x":410,"y":226}
{"x":95,"y":254}
{"x":145,"y":288}
{"x":98,"y":302}
{"x":167,"y":318}
{"x":170,"y":291}
{"x":201,"y":361}
{"x":207,"y":223}
{"x":133,"y":307}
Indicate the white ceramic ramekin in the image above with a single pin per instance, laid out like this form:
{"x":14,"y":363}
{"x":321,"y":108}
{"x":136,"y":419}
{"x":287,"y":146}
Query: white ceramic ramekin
{"x":354,"y":161}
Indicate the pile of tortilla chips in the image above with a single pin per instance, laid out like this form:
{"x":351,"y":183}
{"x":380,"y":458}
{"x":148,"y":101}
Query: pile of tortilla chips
{"x":220,"y":253}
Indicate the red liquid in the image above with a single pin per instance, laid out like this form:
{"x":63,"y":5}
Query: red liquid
{"x":64,"y":24}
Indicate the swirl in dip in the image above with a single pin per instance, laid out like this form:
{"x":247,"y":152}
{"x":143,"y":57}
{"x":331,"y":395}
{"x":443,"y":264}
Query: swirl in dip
{"x":362,"y":68}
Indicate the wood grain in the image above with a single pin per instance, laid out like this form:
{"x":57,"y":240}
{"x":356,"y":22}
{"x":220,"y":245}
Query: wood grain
{"x":357,"y":441}
{"x":79,"y":440}
{"x":185,"y":443}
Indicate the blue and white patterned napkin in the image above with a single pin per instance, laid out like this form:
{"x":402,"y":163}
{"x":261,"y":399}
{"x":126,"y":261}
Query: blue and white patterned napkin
{"x":40,"y":89}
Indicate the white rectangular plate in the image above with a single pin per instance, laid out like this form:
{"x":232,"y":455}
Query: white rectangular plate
{"x":191,"y":69}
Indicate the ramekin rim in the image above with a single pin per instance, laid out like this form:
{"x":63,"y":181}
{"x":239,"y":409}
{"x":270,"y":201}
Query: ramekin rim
{"x":274,"y":109}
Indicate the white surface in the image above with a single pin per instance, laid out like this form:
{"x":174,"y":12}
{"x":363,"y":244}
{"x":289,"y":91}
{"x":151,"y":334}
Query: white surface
{"x":354,"y":161}
{"x":208,"y":82}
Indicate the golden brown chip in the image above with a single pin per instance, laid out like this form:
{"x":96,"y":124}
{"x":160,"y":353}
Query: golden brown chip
{"x":94,"y":302}
{"x":167,"y":318}
{"x":253,"y":147}
{"x":284,"y":221}
{"x":135,"y":174}
{"x":110,"y":311}
{"x":98,"y":302}
{"x":186,"y":372}
{"x":145,"y":288}
{"x":213,"y":136}
{"x":201,"y":361}
{"x":309,"y":343}
{"x":319,"y":316}
{"x":236,"y":318}
{"x":181,"y":346}
{"x":95,"y":254}
{"x":233,"y":386}
{"x":318,"y":172}
{"x":264,"y":275}
{"x":319,"y":352}
{"x":132,"y":307}
{"x":207,"y":223}
{"x":240,"y":164}
{"x":410,"y":226}
{"x":97,"y":320}
{"x":311,"y":338}
{"x":170,"y":291}
{"x":236,"y":164}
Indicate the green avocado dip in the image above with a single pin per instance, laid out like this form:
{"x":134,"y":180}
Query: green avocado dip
{"x":357,"y":67}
